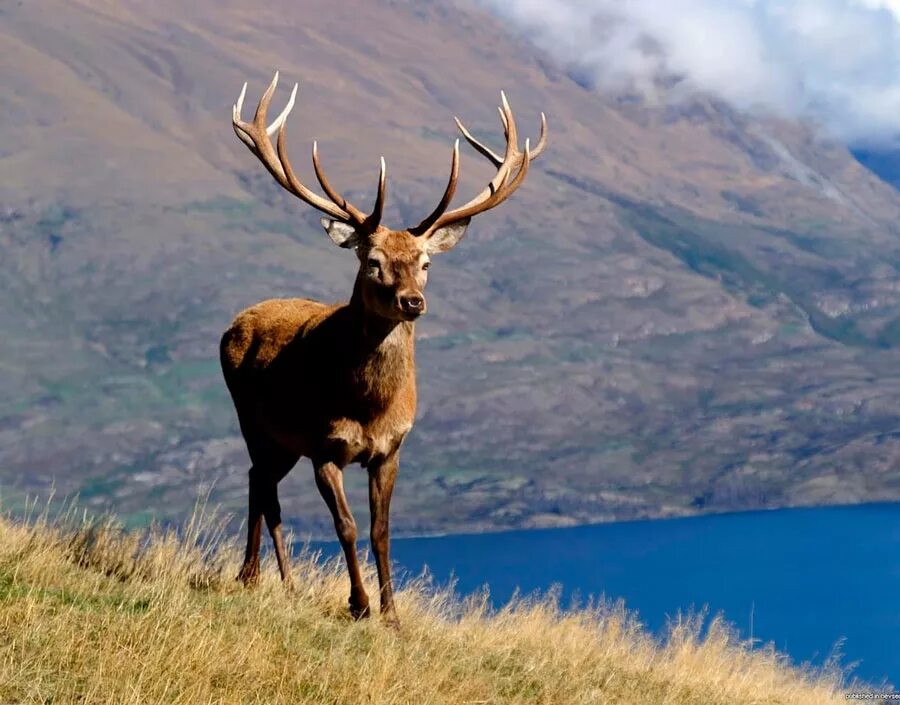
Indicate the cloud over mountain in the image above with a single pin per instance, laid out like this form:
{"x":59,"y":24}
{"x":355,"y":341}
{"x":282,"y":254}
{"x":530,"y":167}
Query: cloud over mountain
{"x":836,"y":62}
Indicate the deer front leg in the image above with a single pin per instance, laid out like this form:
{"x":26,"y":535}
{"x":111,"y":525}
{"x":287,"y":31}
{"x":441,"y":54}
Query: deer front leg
{"x":330,"y":481}
{"x":381,"y":485}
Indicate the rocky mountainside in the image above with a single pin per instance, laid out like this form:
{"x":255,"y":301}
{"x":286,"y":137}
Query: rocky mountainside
{"x":684,"y":308}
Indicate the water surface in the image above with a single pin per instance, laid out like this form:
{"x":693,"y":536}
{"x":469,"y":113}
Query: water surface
{"x":805,"y":579}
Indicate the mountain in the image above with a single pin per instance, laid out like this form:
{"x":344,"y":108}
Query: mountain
{"x":683,"y":309}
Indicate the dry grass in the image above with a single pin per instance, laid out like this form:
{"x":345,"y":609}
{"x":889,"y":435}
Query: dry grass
{"x":92,"y":614}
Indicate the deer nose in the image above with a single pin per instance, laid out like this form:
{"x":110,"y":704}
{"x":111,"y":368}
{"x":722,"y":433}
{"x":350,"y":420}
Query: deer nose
{"x":412,"y":303}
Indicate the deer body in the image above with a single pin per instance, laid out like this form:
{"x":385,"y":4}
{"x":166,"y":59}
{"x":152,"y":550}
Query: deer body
{"x":314,"y":380}
{"x":337,"y":383}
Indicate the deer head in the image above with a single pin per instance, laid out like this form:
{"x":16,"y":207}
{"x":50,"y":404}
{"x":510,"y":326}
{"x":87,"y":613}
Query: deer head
{"x":393,"y":264}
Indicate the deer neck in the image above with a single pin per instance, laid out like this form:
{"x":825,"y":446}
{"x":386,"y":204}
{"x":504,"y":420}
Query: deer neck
{"x":386,"y":350}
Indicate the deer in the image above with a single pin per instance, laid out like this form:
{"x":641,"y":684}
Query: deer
{"x":336,"y":383}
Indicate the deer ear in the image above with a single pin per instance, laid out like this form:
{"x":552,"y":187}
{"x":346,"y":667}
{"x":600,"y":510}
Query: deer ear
{"x":341,"y":234}
{"x":446,"y":238}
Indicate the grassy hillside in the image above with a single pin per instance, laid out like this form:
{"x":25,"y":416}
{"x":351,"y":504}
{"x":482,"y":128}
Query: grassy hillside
{"x":92,"y":615}
{"x":684,"y":308}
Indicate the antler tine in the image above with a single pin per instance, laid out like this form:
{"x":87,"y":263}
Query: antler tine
{"x":279,"y":121}
{"x":375,"y":217}
{"x":520,"y":175}
{"x":542,"y":140}
{"x":509,"y":125}
{"x":330,"y":190}
{"x":495,"y":159}
{"x":236,"y":121}
{"x":262,"y":107}
{"x":503,"y":120}
{"x":295,"y":186}
{"x":257,"y":136}
{"x":501,"y":186}
{"x":426,"y":224}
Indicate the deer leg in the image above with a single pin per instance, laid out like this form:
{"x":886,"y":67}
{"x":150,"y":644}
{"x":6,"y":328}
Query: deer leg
{"x":330,"y":481}
{"x":249,"y":573}
{"x":271,"y":509}
{"x":381,"y":485}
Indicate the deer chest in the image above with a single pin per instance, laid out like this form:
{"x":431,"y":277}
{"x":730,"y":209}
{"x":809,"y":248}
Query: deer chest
{"x":350,"y":441}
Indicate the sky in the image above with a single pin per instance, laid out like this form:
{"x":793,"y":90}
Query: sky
{"x":834,"y":62}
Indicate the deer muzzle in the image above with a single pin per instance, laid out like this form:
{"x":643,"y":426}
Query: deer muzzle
{"x":411,"y":305}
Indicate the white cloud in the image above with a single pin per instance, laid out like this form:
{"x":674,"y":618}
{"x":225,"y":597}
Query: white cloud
{"x":833,"y":61}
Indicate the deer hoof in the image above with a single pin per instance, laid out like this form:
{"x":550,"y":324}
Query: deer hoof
{"x":359,"y":611}
{"x":249,"y":576}
{"x":390,"y":620}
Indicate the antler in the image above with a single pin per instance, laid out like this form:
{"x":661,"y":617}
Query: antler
{"x":257,"y":137}
{"x":500,"y":187}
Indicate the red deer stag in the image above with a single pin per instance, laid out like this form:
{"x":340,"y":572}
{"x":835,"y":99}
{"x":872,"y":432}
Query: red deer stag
{"x":337,"y":383}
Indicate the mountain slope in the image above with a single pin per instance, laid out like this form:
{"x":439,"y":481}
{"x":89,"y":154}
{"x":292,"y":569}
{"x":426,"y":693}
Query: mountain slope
{"x":684,"y":308}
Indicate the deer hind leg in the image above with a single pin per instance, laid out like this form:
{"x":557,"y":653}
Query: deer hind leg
{"x":249,"y":573}
{"x":330,"y":481}
{"x":270,"y":465}
{"x":272,"y":512}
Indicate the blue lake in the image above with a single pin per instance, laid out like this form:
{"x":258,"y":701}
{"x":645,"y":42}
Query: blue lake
{"x":805,"y":579}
